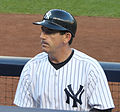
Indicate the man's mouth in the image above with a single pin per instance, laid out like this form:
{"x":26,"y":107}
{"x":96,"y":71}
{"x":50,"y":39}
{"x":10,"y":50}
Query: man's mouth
{"x":44,"y":43}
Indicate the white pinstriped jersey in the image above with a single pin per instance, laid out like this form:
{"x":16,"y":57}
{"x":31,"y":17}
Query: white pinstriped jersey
{"x":78,"y":85}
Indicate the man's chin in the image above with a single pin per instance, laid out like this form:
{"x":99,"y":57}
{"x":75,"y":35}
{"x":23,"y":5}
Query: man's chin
{"x":45,"y":50}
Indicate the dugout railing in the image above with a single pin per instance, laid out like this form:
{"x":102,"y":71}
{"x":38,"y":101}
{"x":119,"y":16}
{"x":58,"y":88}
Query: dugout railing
{"x":11,"y":67}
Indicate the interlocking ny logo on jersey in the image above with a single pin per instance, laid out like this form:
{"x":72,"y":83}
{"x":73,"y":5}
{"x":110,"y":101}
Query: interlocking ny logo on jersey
{"x":69,"y":92}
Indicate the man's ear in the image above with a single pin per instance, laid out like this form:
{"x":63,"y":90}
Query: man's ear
{"x":67,"y":38}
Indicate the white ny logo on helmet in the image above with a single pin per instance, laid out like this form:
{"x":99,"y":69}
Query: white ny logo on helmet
{"x":47,"y":16}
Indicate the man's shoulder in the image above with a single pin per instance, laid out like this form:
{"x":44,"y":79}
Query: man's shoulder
{"x":86,"y":60}
{"x":39,"y":57}
{"x":81,"y":55}
{"x":84,"y":57}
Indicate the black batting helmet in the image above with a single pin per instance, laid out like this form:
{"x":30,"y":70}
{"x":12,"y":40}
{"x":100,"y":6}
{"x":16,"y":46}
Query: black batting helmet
{"x":58,"y":19}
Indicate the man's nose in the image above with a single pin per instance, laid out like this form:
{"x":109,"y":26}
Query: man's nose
{"x":42,"y":35}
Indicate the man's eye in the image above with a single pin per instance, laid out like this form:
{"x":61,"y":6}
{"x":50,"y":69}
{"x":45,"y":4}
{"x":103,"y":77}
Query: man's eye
{"x":48,"y":31}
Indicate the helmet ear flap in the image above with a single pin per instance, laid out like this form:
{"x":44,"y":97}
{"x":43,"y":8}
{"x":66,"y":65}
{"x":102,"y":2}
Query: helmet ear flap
{"x":59,"y":20}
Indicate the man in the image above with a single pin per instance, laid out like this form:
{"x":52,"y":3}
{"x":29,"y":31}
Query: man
{"x":62,"y":77}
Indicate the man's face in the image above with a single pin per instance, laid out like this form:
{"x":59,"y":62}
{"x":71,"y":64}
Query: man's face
{"x":51,"y":40}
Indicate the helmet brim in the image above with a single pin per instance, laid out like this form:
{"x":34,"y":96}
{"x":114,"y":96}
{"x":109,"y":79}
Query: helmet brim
{"x":50,"y":25}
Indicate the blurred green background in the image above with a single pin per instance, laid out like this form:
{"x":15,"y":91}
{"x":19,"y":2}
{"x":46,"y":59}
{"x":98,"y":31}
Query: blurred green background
{"x":103,"y":8}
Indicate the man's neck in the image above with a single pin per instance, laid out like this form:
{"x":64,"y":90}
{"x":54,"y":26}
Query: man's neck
{"x":60,"y":55}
